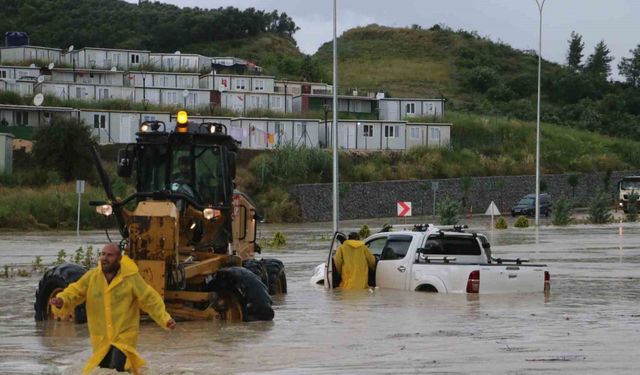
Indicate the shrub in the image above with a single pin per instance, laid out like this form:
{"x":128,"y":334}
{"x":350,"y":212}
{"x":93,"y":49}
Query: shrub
{"x":521,"y":222}
{"x":278,"y":240}
{"x":448,"y":210}
{"x":364,"y":231}
{"x":501,"y":223}
{"x":632,"y":208}
{"x":600,"y":208}
{"x":63,"y":147}
{"x":481,"y":78}
{"x":277,"y":206}
{"x":562,"y":211}
{"x":61,"y":258}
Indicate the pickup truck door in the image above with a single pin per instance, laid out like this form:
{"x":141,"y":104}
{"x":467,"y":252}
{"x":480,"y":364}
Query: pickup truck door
{"x":393,"y":268}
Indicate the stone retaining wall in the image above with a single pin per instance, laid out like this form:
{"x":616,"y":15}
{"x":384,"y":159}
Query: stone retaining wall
{"x":378,"y":199}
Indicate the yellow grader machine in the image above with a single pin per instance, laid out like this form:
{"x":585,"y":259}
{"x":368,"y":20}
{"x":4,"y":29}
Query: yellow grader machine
{"x":191,"y":234}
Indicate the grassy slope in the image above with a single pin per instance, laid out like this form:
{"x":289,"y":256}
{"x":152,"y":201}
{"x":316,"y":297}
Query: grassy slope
{"x":417,"y":62}
{"x":262,"y":49}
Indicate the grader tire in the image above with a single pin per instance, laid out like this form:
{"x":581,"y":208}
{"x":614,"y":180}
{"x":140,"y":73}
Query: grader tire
{"x":247,"y":289}
{"x":277,"y":277}
{"x":53,"y":282}
{"x":258,"y":268}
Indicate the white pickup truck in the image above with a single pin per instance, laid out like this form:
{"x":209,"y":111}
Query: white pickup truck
{"x":428,"y":259}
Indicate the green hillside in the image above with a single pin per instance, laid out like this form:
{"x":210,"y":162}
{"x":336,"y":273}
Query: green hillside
{"x":477,"y":75}
{"x":261,"y":36}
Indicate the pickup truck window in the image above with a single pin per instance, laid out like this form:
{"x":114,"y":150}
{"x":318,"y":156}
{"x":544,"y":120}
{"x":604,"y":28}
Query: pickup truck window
{"x":376,"y":246}
{"x":396,"y":247}
{"x":454,"y":246}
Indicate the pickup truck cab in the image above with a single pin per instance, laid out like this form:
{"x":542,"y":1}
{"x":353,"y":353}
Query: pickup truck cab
{"x":430,"y":259}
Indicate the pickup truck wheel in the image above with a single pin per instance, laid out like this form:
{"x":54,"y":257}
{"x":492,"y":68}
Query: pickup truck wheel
{"x":427,"y":288}
{"x":54,"y":281}
{"x":277,"y":277}
{"x":243,"y":295}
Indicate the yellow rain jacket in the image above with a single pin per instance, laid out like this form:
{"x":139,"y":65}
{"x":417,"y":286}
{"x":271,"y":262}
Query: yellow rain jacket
{"x":113,"y":311}
{"x":353,"y":260}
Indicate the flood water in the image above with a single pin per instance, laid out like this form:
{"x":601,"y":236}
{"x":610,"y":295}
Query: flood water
{"x":589,"y":324}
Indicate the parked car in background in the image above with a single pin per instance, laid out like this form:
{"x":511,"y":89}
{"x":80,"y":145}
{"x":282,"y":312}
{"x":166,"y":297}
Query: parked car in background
{"x":527,"y":205}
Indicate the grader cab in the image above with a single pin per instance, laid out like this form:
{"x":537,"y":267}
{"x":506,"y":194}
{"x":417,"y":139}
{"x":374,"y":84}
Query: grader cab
{"x":192,"y":235}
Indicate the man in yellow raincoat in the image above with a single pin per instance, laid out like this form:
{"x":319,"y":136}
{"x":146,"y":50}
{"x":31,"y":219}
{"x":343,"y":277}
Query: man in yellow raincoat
{"x":114,"y":293}
{"x":353,"y":260}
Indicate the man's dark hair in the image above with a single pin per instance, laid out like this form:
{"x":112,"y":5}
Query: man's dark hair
{"x":354,"y":236}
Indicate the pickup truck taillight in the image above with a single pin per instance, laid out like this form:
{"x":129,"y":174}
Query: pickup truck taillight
{"x":473,"y":284}
{"x":547,"y":281}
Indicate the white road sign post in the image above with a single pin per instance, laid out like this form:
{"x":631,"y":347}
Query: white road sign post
{"x":79,"y":190}
{"x":492,"y":210}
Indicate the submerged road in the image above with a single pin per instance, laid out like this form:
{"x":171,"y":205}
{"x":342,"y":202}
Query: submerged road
{"x":589,"y":324}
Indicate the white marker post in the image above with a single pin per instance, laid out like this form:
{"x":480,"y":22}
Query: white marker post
{"x":492,"y":210}
{"x":79,"y":190}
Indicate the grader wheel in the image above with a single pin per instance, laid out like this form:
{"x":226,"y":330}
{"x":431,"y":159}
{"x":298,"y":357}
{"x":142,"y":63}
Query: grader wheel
{"x":71,"y":317}
{"x":53,"y":282}
{"x":243,"y":296}
{"x":230,"y":308}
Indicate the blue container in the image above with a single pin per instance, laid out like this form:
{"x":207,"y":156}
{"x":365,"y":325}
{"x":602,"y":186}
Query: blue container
{"x":16,"y":38}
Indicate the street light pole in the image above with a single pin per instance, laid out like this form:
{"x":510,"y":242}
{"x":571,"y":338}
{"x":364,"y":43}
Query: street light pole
{"x":540,"y":5}
{"x":334,"y":125}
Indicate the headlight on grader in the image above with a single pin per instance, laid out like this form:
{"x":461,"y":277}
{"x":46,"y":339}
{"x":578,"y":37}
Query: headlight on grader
{"x":105,"y":209}
{"x":209,"y":213}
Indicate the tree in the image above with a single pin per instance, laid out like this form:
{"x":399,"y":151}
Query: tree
{"x":574,"y":56}
{"x":64,"y":148}
{"x":630,"y":67}
{"x":599,"y":63}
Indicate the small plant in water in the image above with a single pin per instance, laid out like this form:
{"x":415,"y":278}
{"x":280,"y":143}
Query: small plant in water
{"x":501,"y":223}
{"x":23,"y":272}
{"x":88,"y":260}
{"x":37,"y":265}
{"x":364,"y":231}
{"x":521,"y":222}
{"x":279,"y":240}
{"x":79,"y":256}
{"x":61,"y":258}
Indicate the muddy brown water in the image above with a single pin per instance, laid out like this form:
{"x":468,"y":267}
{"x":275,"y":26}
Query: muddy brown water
{"x":589,"y":324}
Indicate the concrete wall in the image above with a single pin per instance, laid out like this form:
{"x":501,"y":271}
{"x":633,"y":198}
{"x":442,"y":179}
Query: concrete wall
{"x":378,"y":199}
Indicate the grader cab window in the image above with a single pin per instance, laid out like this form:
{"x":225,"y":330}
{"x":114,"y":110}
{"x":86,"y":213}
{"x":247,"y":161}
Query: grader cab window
{"x":153,"y":169}
{"x":209,"y":175}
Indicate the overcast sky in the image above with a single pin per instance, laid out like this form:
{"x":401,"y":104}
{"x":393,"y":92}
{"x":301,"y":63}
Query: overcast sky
{"x":514,"y":22}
